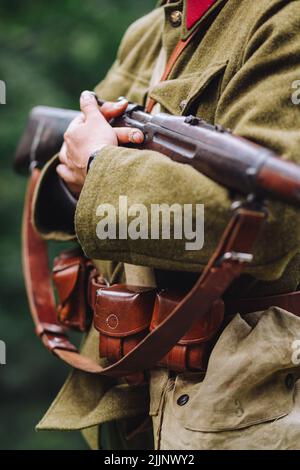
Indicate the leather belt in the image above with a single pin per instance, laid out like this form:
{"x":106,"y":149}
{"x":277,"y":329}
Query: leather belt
{"x":289,"y":301}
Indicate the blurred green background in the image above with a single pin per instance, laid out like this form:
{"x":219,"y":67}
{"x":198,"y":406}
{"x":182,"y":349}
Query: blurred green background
{"x":49,"y":53}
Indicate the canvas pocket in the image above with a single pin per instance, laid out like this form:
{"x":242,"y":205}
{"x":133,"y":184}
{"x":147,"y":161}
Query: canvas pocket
{"x":250,"y":378}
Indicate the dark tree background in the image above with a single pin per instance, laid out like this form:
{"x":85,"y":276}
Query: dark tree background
{"x":49,"y":53}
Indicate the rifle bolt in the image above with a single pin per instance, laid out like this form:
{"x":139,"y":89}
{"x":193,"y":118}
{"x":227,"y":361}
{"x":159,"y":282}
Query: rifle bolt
{"x":192,"y":120}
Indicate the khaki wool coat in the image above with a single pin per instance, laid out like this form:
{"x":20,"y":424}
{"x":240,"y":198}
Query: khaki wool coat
{"x":240,"y":71}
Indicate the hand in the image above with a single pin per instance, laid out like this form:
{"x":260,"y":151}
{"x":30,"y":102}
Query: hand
{"x":89,"y":133}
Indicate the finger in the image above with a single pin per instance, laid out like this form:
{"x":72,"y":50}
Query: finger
{"x":73,"y":126}
{"x":66,"y":174}
{"x":89,"y":106}
{"x":76,"y":121}
{"x":112,"y":110}
{"x":63,"y":154}
{"x":127,"y":135}
{"x":64,"y":158}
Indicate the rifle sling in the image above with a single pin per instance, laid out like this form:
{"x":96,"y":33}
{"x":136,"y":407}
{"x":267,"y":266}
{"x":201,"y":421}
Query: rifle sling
{"x":178,"y":50}
{"x":226,"y":264}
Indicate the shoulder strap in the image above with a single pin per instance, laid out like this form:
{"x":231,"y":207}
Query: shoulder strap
{"x":178,"y":50}
{"x":227,"y":263}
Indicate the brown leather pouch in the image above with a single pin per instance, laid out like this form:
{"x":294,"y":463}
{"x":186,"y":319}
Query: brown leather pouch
{"x":70,"y":276}
{"x":122,"y":316}
{"x":193,"y":350}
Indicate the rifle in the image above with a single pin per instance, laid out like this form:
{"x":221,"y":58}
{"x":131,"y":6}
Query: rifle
{"x":237,"y":164}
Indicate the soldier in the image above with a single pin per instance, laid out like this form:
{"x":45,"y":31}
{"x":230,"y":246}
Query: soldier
{"x":234,"y":63}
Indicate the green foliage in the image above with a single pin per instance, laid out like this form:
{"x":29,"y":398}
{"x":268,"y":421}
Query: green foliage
{"x":50,"y":52}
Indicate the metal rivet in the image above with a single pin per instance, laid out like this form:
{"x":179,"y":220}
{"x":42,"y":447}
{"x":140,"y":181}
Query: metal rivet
{"x":176,"y":18}
{"x":183,"y":400}
{"x":290,"y":381}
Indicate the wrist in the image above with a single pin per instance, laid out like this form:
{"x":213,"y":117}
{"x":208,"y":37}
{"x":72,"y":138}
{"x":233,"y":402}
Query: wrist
{"x":92,"y":158}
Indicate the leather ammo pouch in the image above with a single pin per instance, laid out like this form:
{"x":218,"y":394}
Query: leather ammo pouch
{"x":125,"y":314}
{"x":122,"y":316}
{"x":70,"y":277}
{"x":193,"y":349}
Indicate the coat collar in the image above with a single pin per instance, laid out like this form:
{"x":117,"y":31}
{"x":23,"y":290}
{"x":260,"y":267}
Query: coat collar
{"x":195,"y":9}
{"x":194,"y":17}
{"x":194,"y":12}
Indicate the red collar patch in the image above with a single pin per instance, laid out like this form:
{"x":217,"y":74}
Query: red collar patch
{"x":195,"y":10}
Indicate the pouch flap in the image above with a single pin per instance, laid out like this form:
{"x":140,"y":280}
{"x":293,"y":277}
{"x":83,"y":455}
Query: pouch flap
{"x":65,"y":276}
{"x":201,"y":331}
{"x":123,"y":310}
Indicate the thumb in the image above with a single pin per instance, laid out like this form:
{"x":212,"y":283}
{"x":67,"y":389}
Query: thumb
{"x":129,"y":135}
{"x":89,"y":106}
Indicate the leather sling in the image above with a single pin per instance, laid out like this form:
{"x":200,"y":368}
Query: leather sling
{"x":178,"y":50}
{"x":227,"y":262}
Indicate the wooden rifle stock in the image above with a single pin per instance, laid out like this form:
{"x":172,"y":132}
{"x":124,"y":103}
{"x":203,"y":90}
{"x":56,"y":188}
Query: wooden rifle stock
{"x":43,"y":137}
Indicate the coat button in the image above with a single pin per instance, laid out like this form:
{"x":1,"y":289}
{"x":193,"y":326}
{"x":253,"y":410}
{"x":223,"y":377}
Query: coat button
{"x":176,"y":18}
{"x":183,"y":400}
